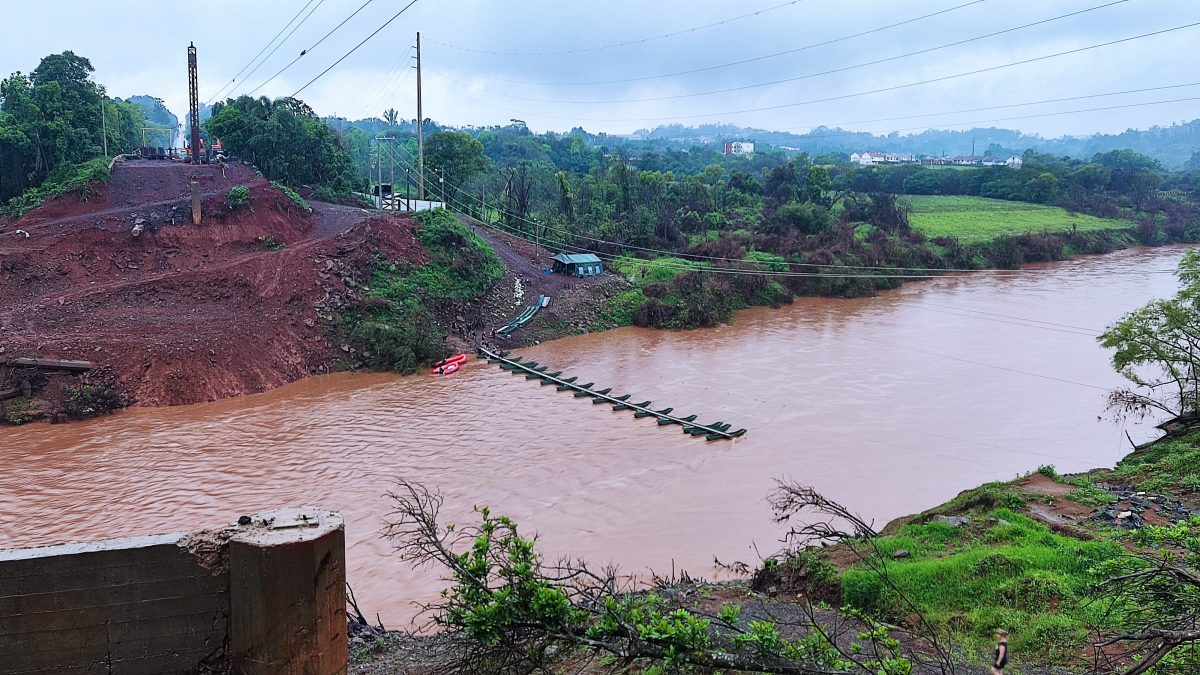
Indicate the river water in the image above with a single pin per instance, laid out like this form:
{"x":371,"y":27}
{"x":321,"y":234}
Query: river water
{"x":889,"y":404}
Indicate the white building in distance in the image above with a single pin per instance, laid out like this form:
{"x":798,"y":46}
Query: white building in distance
{"x":739,"y":148}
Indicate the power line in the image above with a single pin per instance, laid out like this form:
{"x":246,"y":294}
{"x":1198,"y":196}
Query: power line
{"x":390,"y":81}
{"x":871,"y":271}
{"x":743,"y":61}
{"x":868,"y":92}
{"x":355,"y":48}
{"x":833,"y":71}
{"x":990,"y":365}
{"x":260,"y":53}
{"x":811,"y":137}
{"x":626,"y":43}
{"x":1013,"y":323}
{"x":316,"y":44}
{"x":997,"y":107}
{"x":1022,"y":117}
{"x":1090,"y":331}
{"x":289,"y":35}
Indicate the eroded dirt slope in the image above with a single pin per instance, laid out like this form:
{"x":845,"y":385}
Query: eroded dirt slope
{"x":186,"y":313}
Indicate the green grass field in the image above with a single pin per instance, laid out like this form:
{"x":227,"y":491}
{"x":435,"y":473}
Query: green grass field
{"x":978,"y":219}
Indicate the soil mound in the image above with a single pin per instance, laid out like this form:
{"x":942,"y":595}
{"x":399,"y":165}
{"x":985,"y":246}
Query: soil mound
{"x":186,"y":313}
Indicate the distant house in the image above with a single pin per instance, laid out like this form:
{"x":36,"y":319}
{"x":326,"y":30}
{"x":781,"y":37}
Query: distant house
{"x":739,"y":148}
{"x":1014,"y":162}
{"x":968,"y":160}
{"x":877,"y":158}
{"x":868,"y":158}
{"x":992,"y":160}
{"x":577,"y":265}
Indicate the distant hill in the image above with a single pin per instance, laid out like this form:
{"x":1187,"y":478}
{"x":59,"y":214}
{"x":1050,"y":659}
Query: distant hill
{"x":1172,"y":145}
{"x":156,"y":113}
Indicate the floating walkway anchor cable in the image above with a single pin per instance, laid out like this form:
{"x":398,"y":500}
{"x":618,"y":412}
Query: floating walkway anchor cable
{"x":532,"y":370}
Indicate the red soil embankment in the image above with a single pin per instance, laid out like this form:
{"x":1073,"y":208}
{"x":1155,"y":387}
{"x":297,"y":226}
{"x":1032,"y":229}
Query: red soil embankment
{"x":185,"y":313}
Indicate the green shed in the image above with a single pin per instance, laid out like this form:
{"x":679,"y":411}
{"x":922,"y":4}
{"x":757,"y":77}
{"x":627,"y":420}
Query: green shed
{"x":577,"y":265}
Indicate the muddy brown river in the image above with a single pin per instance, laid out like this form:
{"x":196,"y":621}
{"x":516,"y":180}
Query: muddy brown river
{"x":889,"y":404}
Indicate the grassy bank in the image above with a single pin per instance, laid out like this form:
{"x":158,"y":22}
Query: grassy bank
{"x":675,"y":292}
{"x":974,"y":220}
{"x":79,"y":180}
{"x":398,"y":327}
{"x":1029,"y":555}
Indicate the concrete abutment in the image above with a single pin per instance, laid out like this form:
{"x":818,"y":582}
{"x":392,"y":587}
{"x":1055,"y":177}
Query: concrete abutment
{"x":264,"y":597}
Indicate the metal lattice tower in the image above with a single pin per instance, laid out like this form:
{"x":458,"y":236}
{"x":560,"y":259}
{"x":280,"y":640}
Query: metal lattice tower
{"x":194,"y":102}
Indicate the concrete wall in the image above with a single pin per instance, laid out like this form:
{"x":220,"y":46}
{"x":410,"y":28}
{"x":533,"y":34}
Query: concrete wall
{"x":266,"y":597}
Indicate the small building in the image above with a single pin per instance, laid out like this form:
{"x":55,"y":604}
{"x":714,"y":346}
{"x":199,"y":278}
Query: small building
{"x":577,"y":265}
{"x":1014,"y":162}
{"x":868,"y":158}
{"x":739,"y":148}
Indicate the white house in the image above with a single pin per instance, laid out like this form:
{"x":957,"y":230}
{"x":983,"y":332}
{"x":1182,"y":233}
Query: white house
{"x":1014,"y":162}
{"x":868,"y":158}
{"x":739,"y":148}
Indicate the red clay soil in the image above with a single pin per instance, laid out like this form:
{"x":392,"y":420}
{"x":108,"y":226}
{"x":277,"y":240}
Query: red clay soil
{"x":186,"y":313}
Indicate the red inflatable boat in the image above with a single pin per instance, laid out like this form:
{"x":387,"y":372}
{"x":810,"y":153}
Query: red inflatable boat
{"x":449,"y":365}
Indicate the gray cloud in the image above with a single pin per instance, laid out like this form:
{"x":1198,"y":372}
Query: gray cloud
{"x":125,"y":42}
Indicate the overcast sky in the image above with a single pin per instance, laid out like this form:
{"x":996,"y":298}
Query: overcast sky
{"x":487,"y":61}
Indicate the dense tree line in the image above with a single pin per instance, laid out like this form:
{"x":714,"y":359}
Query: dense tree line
{"x":55,"y":119}
{"x":286,"y":140}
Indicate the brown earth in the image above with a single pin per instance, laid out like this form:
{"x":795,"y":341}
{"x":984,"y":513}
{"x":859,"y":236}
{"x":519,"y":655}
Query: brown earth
{"x":239,"y":304}
{"x":187,"y":313}
{"x":574,"y":303}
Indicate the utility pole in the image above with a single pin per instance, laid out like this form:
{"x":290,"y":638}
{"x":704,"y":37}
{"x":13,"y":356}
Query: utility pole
{"x":379,"y":170}
{"x":420,"y":128}
{"x":104,"y":127}
{"x":194,"y":102}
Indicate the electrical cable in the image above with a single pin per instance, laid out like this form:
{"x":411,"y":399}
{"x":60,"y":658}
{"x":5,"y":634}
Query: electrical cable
{"x":314,"y":46}
{"x":626,"y":43}
{"x":880,"y":90}
{"x":734,"y":63}
{"x":935,"y":272}
{"x":260,"y":53}
{"x":289,"y":35}
{"x":727,"y":90}
{"x":355,"y":47}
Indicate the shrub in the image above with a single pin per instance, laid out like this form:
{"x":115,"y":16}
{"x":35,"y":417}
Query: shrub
{"x":239,"y":196}
{"x":294,"y":196}
{"x":77,"y":179}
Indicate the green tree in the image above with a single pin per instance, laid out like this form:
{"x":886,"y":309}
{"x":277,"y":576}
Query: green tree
{"x":1157,"y":348}
{"x":48,"y":119}
{"x":457,"y":156}
{"x":286,"y":140}
{"x":1042,"y":188}
{"x":803,"y":217}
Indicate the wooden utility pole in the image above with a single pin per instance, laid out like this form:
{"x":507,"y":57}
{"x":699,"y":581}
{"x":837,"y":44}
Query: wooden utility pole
{"x":420,"y":128}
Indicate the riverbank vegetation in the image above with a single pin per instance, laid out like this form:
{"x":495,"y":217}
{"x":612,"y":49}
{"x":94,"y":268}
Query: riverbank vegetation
{"x":1095,"y":572}
{"x":738,"y":231}
{"x":396,"y":328}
